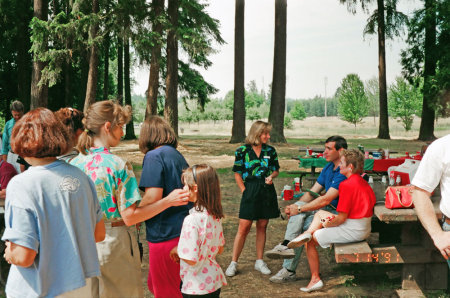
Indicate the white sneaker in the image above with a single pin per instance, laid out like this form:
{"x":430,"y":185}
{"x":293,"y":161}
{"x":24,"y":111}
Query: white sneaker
{"x":300,"y":240}
{"x":232,"y":269}
{"x":261,"y":266}
{"x":280,"y":251}
{"x":283,"y":276}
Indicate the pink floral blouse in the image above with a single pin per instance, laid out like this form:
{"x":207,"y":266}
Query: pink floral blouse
{"x":200,"y":239}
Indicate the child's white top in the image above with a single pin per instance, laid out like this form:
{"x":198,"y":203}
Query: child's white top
{"x":200,"y":239}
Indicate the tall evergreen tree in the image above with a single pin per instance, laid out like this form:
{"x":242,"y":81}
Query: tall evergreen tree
{"x":171,"y":99}
{"x":91,"y":86}
{"x":153,"y":81}
{"x":277,"y":104}
{"x":238,"y":129}
{"x":39,"y":91}
{"x":386,"y":22}
{"x":129,"y":133}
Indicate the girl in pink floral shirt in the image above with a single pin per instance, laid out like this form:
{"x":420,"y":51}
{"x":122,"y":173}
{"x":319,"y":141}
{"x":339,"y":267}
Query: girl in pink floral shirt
{"x":201,"y":237}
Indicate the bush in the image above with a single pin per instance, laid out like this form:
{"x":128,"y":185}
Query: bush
{"x":288,"y":122}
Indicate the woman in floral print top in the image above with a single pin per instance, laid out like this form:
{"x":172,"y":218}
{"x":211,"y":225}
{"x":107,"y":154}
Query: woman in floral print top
{"x":255,"y":166}
{"x":118,"y":194}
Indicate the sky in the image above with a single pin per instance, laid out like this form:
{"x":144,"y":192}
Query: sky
{"x":324,"y":43}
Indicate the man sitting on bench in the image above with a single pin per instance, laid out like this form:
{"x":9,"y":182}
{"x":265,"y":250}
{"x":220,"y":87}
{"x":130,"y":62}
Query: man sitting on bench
{"x":302,"y":212}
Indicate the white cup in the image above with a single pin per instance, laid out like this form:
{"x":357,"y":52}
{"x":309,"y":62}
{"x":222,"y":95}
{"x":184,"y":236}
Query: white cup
{"x":297,"y":180}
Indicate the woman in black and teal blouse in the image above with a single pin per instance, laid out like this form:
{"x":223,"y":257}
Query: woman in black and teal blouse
{"x":255,"y":166}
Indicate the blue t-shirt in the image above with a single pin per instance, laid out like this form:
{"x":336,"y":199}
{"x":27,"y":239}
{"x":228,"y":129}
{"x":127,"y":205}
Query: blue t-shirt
{"x":53,"y":210}
{"x":162,"y":168}
{"x":331,"y":178}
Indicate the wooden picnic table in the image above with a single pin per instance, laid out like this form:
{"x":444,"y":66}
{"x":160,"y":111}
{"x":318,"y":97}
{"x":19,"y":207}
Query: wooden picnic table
{"x":423,"y":265}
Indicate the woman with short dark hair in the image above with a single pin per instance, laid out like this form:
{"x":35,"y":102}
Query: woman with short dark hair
{"x":161,"y":173}
{"x":52,"y":215}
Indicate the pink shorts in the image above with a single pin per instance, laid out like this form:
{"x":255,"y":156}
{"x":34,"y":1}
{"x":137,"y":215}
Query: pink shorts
{"x":163,"y":273}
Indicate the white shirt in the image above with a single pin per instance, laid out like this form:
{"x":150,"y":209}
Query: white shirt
{"x":200,"y":239}
{"x":435,"y":168}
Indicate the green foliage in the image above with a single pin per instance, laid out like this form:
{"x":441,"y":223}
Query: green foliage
{"x":413,"y":57}
{"x":288,"y":122}
{"x":253,"y":114}
{"x":404,"y":102}
{"x":353,"y":102}
{"x":298,"y":111}
{"x":373,"y":95}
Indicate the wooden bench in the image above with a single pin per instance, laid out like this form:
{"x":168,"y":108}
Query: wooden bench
{"x":426,"y":262}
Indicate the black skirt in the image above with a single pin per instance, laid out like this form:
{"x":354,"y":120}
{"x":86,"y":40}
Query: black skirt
{"x":259,"y":201}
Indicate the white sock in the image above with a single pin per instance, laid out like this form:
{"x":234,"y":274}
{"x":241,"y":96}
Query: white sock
{"x":259,"y":261}
{"x":233,"y":262}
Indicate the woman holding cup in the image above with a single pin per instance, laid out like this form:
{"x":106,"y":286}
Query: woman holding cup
{"x":255,"y":166}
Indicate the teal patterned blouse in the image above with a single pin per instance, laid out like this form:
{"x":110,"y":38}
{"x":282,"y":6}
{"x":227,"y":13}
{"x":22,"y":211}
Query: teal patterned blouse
{"x":114,"y":180}
{"x":251,"y":167}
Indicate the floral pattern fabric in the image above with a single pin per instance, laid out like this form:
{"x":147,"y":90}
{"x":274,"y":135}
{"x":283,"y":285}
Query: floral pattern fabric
{"x":249,"y":165}
{"x":114,"y":180}
{"x":200,"y":240}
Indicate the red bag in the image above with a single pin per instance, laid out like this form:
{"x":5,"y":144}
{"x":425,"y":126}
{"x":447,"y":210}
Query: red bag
{"x":398,"y":197}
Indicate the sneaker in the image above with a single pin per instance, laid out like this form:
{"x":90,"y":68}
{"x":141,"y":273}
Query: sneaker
{"x":280,"y":251}
{"x":261,"y":266}
{"x":283,"y":276}
{"x":300,"y":240}
{"x":232,"y":269}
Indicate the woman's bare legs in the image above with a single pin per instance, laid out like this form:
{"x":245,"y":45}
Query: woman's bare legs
{"x":316,"y":224}
{"x":239,"y":241}
{"x":261,"y":226}
{"x":313,"y":260}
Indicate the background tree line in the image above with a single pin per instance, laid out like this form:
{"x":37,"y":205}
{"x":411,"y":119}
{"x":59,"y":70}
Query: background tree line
{"x":74,"y":52}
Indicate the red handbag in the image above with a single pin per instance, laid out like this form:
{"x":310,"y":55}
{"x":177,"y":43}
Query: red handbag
{"x":398,"y":197}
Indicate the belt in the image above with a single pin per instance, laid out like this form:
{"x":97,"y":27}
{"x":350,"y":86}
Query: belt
{"x":116,"y":223}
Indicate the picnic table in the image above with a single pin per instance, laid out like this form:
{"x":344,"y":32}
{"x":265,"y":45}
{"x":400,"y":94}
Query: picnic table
{"x":370,"y":165}
{"x":423,"y":267}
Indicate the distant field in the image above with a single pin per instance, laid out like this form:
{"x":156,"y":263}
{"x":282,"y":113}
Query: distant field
{"x":319,"y":127}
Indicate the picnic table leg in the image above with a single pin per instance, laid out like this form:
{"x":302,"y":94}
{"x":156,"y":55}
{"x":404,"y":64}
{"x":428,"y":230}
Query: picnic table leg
{"x":426,"y":276}
{"x":313,"y":170}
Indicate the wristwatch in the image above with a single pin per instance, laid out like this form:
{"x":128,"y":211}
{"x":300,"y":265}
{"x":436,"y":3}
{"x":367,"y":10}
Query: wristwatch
{"x":299,"y":209}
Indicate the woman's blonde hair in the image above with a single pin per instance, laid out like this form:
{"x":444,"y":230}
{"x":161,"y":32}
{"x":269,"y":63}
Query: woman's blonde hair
{"x":257,"y":129}
{"x":96,"y":116}
{"x":208,"y":188}
{"x":156,"y":132}
{"x":355,"y":158}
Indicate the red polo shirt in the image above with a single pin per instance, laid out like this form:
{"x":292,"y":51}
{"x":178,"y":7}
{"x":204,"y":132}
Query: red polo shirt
{"x":356,"y":197}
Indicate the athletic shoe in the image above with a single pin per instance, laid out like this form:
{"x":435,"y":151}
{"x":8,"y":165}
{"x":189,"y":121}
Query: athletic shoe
{"x":232,"y":269}
{"x":317,"y":286}
{"x":261,"y":266}
{"x":283,"y":276}
{"x":280,"y":251}
{"x":300,"y":240}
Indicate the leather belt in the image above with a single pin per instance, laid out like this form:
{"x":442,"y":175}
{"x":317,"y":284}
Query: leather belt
{"x":117,"y":223}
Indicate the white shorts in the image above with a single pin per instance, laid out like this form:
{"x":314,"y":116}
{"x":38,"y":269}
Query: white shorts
{"x":352,"y":230}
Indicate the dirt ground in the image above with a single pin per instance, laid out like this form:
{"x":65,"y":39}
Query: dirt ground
{"x":340,"y":280}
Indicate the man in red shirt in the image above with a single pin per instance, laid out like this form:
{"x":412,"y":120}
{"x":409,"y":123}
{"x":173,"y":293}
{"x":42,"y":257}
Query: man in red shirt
{"x":7,"y":171}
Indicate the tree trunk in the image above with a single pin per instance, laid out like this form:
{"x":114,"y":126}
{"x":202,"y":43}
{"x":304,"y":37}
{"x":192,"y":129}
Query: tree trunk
{"x":23,"y":56}
{"x":171,"y":104}
{"x":39,"y":93}
{"x":106,"y":70}
{"x":426,"y":132}
{"x":91,"y":87}
{"x":67,"y":84}
{"x":153,"y":81}
{"x":120,"y":70}
{"x":383,"y":131}
{"x":238,"y":129}
{"x":129,"y":132}
{"x":277,"y":104}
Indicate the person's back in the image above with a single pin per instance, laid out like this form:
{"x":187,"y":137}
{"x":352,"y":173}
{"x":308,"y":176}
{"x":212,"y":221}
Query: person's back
{"x":55,"y":203}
